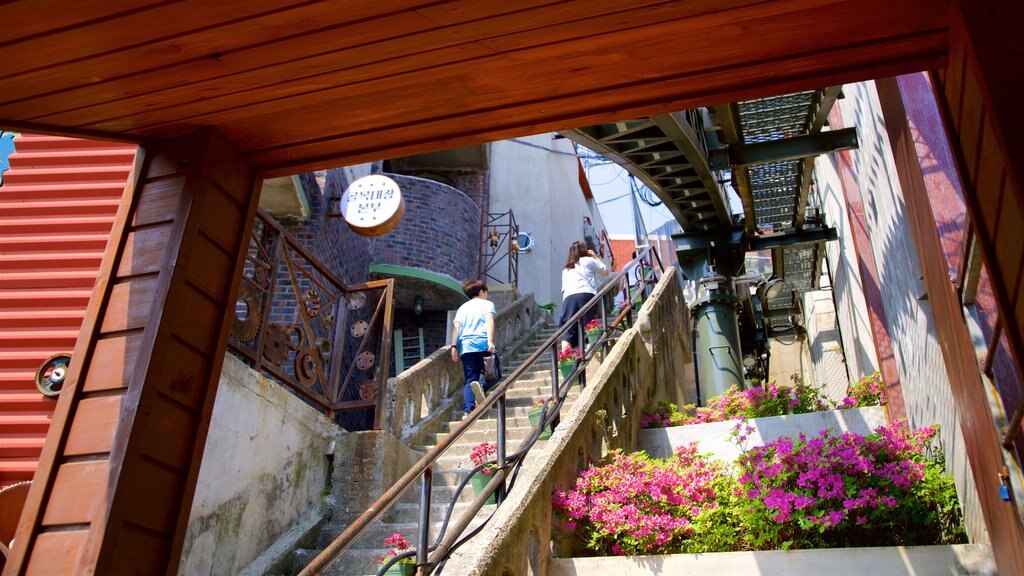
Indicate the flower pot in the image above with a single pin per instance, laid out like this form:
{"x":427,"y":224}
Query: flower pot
{"x":592,"y":339}
{"x":566,"y":369}
{"x":401,"y":569}
{"x":479,"y":482}
{"x":534,"y":415}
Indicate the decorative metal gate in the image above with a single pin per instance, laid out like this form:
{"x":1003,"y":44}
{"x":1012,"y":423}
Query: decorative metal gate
{"x":299,"y":324}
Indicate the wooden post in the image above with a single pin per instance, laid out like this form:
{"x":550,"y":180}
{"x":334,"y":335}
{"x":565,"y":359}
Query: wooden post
{"x":970,"y":397}
{"x":118,"y":471}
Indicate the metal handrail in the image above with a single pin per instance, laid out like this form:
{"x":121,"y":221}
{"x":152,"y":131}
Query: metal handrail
{"x":448,"y":542}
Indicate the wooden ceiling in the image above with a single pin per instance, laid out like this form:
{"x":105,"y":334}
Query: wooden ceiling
{"x":297,"y":85}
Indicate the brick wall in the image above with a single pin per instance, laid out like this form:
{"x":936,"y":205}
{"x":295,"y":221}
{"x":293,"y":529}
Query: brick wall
{"x":439,"y":232}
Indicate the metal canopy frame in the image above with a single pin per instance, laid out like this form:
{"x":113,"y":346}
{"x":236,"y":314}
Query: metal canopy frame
{"x":669,"y":154}
{"x":770,"y":144}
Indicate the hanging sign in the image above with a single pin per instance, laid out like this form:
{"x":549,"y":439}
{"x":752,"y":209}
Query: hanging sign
{"x":372,"y":205}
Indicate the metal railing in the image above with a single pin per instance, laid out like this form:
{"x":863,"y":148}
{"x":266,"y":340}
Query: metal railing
{"x":500,"y":245}
{"x":449,"y":538}
{"x":299,"y":324}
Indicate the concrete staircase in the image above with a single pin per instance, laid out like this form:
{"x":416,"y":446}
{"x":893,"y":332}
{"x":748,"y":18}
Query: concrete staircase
{"x":449,"y":471}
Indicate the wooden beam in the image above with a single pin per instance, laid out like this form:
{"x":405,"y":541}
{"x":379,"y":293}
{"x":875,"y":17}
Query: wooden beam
{"x":119,"y":467}
{"x":540,"y":66}
{"x":970,"y":396}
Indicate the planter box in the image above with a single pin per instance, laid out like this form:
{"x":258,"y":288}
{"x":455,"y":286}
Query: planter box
{"x":715,"y":437}
{"x":479,"y":482}
{"x":401,"y":569}
{"x":883,"y":561}
{"x":534,"y":415}
{"x":566,"y":369}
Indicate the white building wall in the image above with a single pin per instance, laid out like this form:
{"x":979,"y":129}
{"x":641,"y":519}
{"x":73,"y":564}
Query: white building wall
{"x":857,"y":340}
{"x":824,"y":345}
{"x":538,"y":178}
{"x":916,"y":350}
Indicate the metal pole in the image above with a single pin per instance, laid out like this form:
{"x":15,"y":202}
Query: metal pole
{"x":500,"y":492}
{"x":1014,"y":427}
{"x":554,"y":369}
{"x":993,"y":347}
{"x":422,"y":544}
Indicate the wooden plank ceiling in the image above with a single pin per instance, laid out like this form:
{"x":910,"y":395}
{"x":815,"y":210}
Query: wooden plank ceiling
{"x":297,"y":85}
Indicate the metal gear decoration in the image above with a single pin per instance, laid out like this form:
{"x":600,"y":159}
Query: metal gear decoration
{"x":324,"y":347}
{"x":305,"y":367}
{"x":312,"y":303}
{"x":50,"y":376}
{"x":359,"y":329}
{"x":276,"y":344}
{"x":368,"y":390}
{"x":356,"y":300}
{"x":245,"y":329}
{"x":295,"y":336}
{"x":261,"y":276}
{"x":327,"y":320}
{"x":365,"y":360}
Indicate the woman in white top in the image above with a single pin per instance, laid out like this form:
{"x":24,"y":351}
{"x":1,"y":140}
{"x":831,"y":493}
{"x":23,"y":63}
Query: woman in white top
{"x":579,"y":284}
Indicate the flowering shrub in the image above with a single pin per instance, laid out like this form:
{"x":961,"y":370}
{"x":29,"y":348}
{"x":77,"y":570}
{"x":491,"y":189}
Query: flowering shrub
{"x":569,"y":356}
{"x":481,"y":453}
{"x":852,"y":490}
{"x":758,"y":401}
{"x":396,"y":544}
{"x":593,"y":328}
{"x":875,"y":490}
{"x":664,"y":415}
{"x":641,"y":505}
{"x":538,"y":403}
{"x":868,"y":391}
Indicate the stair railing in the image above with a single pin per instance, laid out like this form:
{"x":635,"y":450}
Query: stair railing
{"x":449,"y":539}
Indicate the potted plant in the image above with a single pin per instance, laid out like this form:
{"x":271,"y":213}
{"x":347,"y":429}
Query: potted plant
{"x":480,"y":454}
{"x":535,"y":413}
{"x":567,"y":360}
{"x":593,"y":331}
{"x":396,"y":545}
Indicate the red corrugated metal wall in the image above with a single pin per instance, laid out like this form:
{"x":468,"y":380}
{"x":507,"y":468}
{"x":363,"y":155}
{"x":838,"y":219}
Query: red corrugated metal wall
{"x":57,"y":205}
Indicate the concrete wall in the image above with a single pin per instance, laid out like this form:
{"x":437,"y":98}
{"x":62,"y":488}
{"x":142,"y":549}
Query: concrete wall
{"x":916,"y":351}
{"x":825,"y":345}
{"x":539,"y":181}
{"x":263,"y":473}
{"x":844,"y":271}
{"x":650,"y":362}
{"x":787,"y":359}
{"x":716,"y":438}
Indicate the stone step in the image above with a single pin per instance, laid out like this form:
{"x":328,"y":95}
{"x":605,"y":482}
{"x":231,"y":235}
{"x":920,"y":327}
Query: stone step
{"x":362,"y":557}
{"x":449,"y":471}
{"x":410,"y":513}
{"x":373,"y":537}
{"x":476,"y":435}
